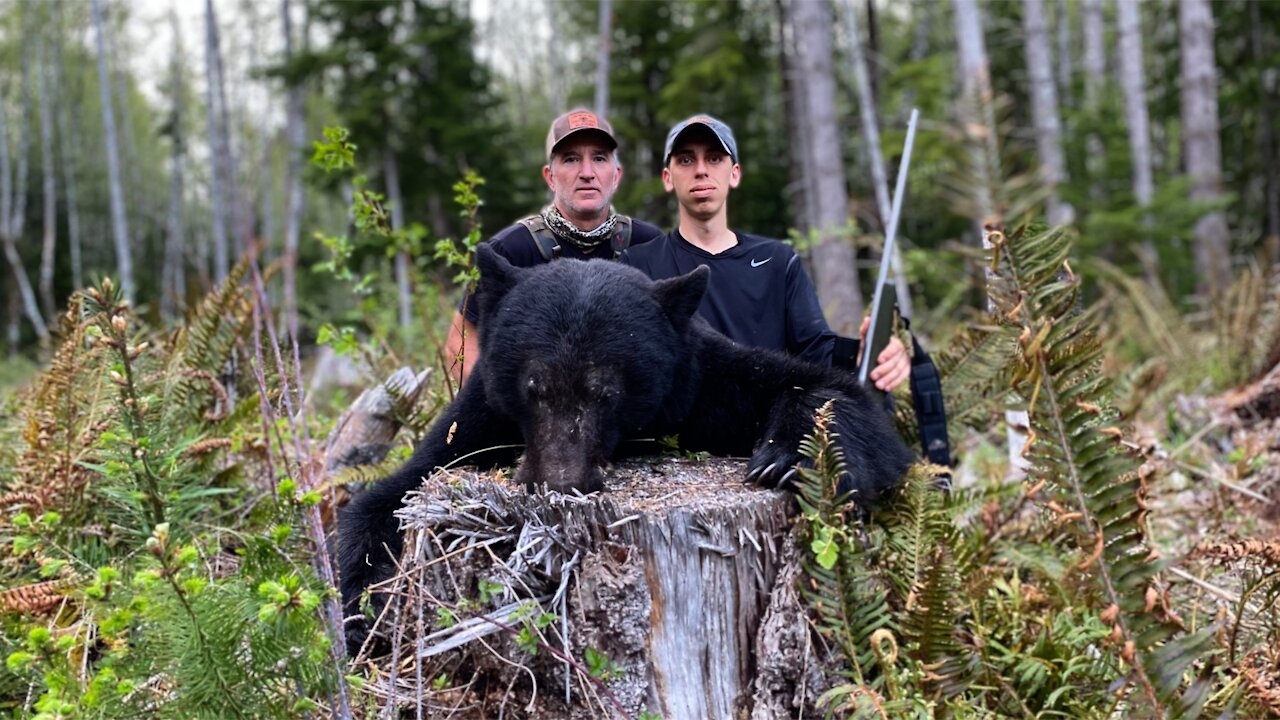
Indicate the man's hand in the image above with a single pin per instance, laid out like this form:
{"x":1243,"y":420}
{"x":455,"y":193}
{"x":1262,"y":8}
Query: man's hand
{"x":892,"y":366}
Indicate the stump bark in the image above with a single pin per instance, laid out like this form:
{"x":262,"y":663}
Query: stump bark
{"x":681,"y":576}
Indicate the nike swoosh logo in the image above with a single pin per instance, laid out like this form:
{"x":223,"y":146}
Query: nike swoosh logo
{"x":758,"y":263}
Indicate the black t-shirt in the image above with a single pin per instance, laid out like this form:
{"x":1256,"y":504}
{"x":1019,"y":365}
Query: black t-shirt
{"x":516,"y":244}
{"x":759,"y":294}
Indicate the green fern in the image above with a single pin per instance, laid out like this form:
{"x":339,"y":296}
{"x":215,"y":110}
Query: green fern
{"x":850,"y":604}
{"x":1079,"y":459}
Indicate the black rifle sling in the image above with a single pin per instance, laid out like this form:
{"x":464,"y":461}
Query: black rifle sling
{"x":926,"y":396}
{"x":549,"y":246}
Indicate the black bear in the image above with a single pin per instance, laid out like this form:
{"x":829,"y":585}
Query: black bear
{"x":576,"y":357}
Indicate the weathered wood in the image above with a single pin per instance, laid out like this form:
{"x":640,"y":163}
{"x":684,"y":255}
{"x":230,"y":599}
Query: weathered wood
{"x":363,"y":435}
{"x":671,"y":574}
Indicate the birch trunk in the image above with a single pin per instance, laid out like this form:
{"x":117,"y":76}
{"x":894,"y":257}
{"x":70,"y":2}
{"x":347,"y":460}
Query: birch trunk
{"x":1065,"y":68}
{"x":871,"y":133}
{"x":602,"y":61}
{"x":391,"y":170}
{"x":217,"y":191}
{"x":1200,"y":140}
{"x":295,"y":130}
{"x":48,"y":246}
{"x":835,"y":272}
{"x":1044,"y":110}
{"x":1095,"y":74}
{"x":13,"y":207}
{"x":1133,"y":82}
{"x":119,"y":223}
{"x":978,"y":119}
{"x":69,"y":144}
{"x":1266,"y":133}
{"x":977,"y":114}
{"x":173,"y":285}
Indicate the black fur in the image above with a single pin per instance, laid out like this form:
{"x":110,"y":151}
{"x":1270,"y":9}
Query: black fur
{"x":577,"y":356}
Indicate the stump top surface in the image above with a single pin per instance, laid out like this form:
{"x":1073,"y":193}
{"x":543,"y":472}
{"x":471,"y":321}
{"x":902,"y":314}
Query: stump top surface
{"x":655,"y":485}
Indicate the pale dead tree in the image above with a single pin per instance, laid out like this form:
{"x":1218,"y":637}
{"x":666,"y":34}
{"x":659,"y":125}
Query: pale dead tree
{"x":237,"y":220}
{"x":1201,"y":144}
{"x":69,"y":145}
{"x":1095,"y":76}
{"x":835,"y":273}
{"x":49,"y":238}
{"x":1266,"y":132}
{"x":978,"y":119}
{"x":1133,"y":82}
{"x":13,"y":202}
{"x":602,"y":62}
{"x":1044,"y":110}
{"x":119,"y":223}
{"x":871,"y":132}
{"x":173,"y":282}
{"x":295,"y":131}
{"x":217,"y":180}
{"x":404,"y":289}
{"x":1065,"y":66}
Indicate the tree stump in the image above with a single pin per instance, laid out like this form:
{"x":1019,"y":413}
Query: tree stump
{"x":675,"y":587}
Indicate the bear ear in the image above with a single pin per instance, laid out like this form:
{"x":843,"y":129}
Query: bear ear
{"x":680,"y":296}
{"x":497,"y":274}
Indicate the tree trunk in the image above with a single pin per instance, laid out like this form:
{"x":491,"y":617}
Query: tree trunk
{"x":173,"y":285}
{"x":871,"y":134}
{"x":1266,"y":133}
{"x":1064,"y":54}
{"x":13,"y":202}
{"x":978,"y":119}
{"x":217,"y":189}
{"x":1133,"y":82}
{"x":119,"y":223}
{"x":12,"y":222}
{"x":69,"y":145}
{"x":295,"y":129}
{"x":1044,"y":110}
{"x":48,"y":245}
{"x":602,"y":61}
{"x":835,"y":270}
{"x":1095,"y":75}
{"x":235,"y":215}
{"x":679,"y":575}
{"x":1201,"y":144}
{"x":391,"y":171}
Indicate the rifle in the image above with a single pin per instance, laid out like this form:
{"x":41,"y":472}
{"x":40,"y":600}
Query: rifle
{"x":926,"y":387}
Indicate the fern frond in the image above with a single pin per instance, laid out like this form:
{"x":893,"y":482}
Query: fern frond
{"x":202,"y":347}
{"x":1072,"y":450}
{"x":849,"y":604}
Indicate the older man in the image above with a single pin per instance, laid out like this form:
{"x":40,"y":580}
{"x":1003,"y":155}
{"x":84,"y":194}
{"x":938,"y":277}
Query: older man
{"x":583,"y":173}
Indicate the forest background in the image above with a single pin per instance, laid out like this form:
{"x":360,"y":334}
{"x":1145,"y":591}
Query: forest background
{"x":163,"y":145}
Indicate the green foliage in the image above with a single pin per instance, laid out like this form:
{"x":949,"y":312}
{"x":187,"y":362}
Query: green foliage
{"x":129,"y":598}
{"x":1034,"y":601}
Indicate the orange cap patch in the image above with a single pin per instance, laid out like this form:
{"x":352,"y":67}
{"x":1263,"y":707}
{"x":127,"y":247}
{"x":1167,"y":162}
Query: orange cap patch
{"x":580,"y":120}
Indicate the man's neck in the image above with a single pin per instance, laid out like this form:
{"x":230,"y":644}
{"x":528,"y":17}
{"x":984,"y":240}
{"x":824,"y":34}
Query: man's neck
{"x":584,"y":224}
{"x":712,"y":235}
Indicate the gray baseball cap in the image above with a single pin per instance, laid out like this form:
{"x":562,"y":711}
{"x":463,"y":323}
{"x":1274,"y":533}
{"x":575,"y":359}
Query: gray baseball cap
{"x":717,"y":128}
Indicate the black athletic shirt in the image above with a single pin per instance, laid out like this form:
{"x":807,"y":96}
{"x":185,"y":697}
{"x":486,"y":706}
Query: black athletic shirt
{"x":759,"y":294}
{"x":516,"y":244}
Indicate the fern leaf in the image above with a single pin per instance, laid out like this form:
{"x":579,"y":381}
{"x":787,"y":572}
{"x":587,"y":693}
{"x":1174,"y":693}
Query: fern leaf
{"x":1072,"y":449}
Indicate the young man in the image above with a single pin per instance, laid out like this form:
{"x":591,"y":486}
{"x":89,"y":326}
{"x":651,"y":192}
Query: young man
{"x":583,"y":173}
{"x":760,"y":293}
